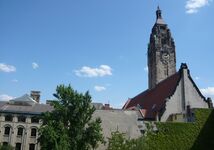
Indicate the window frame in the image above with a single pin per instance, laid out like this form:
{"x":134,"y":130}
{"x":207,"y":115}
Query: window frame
{"x":10,"y":118}
{"x":32,"y":148}
{"x":22,"y":118}
{"x":33,"y":132}
{"x":7,"y":130}
{"x":20,"y":133}
{"x":34,"y":119}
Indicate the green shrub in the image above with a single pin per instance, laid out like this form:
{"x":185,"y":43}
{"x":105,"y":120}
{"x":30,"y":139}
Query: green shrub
{"x":198,"y":135}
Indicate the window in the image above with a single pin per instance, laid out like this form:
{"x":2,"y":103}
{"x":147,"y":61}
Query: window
{"x":32,"y":147}
{"x":21,"y":118}
{"x":33,"y":132}
{"x":35,"y":119}
{"x":5,"y":143}
{"x":8,"y":118}
{"x":20,"y":131}
{"x":6,"y":130}
{"x":18,"y":146}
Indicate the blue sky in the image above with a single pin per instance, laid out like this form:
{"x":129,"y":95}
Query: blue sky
{"x":98,"y":45}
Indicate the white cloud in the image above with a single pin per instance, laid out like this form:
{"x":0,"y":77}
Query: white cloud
{"x":35,"y":65}
{"x":99,"y":88}
{"x":7,"y":68}
{"x":208,"y":91}
{"x":5,"y":97}
{"x":197,"y":78}
{"x":14,"y":80}
{"x":192,"y":6}
{"x":85,"y":71}
{"x":146,"y":69}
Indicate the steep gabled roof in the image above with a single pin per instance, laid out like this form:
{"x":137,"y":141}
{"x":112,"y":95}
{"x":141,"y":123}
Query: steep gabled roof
{"x":24,"y":105}
{"x":153,"y":100}
{"x":25,"y":99}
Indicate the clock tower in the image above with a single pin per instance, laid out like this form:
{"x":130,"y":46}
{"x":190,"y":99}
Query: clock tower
{"x":161,"y":52}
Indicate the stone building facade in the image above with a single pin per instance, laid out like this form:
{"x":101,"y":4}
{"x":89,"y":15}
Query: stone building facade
{"x":19,"y":122}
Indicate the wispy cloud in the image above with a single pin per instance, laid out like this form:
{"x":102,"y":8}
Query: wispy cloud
{"x":192,"y":6}
{"x":209,"y":91}
{"x":99,"y":88}
{"x":5,"y":97}
{"x":14,"y":80}
{"x":7,"y":68}
{"x":35,"y":65}
{"x":85,"y":71}
{"x":145,"y":69}
{"x":197,"y":78}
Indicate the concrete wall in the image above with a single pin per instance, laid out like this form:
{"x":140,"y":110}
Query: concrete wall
{"x":125,"y":121}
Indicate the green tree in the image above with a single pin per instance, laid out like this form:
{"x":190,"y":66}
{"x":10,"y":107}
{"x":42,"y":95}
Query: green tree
{"x":6,"y":147}
{"x":70,"y":126}
{"x":118,"y":141}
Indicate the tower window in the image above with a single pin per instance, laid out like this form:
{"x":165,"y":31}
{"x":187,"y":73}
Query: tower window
{"x":166,"y":72}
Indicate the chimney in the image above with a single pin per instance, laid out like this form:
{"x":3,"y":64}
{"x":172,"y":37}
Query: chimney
{"x":106,"y":107}
{"x":35,"y":95}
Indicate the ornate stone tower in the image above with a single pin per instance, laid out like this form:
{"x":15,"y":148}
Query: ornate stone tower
{"x":161,"y":52}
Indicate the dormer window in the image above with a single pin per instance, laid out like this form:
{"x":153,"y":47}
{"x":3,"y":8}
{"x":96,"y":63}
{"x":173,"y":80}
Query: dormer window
{"x":21,"y":118}
{"x":35,"y":119}
{"x":8,"y":118}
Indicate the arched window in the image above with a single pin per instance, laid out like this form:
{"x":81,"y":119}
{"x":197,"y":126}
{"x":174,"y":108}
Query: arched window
{"x":7,"y":131}
{"x":33,"y":131}
{"x":20,"y":131}
{"x":18,"y":146}
{"x":32,"y":147}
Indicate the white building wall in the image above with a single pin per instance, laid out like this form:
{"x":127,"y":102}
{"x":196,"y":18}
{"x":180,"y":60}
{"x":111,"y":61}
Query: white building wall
{"x":173,"y":104}
{"x":185,"y":94}
{"x":192,"y":96}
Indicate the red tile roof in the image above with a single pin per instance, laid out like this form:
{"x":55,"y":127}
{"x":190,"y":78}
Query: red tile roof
{"x":153,"y":100}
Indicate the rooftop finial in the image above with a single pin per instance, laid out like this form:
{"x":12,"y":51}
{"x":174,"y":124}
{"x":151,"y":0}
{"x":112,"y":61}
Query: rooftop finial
{"x":158,"y":13}
{"x":158,"y":8}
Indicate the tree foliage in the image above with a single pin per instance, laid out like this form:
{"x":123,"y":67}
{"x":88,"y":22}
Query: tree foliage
{"x":6,"y":147}
{"x":196,"y":135}
{"x":118,"y":141}
{"x":70,"y":126}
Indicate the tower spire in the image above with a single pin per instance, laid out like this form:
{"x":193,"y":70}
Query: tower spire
{"x":158,"y":13}
{"x":159,"y":19}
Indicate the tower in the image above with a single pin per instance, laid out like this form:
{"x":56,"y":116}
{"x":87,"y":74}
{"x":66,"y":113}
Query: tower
{"x":161,"y":52}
